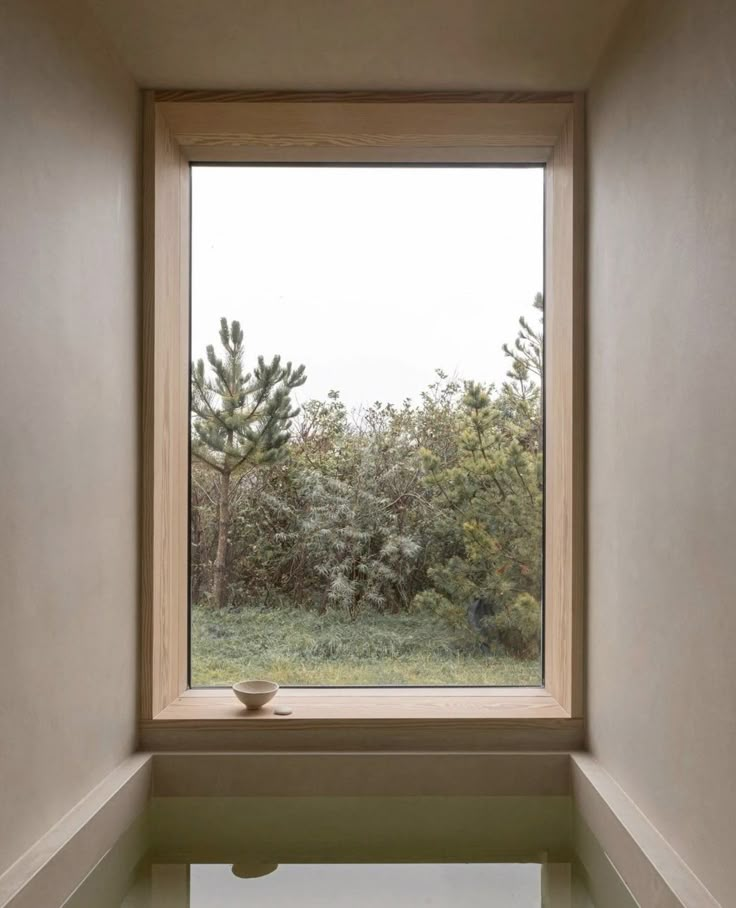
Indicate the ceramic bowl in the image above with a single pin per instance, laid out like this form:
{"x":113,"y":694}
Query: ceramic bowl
{"x":255,"y":694}
{"x":253,"y":871}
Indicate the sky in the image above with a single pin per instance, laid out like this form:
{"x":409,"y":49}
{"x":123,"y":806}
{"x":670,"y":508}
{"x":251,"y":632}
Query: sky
{"x":370,"y":886}
{"x":373,"y":277}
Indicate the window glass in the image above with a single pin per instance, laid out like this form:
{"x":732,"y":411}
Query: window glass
{"x":366,"y":425}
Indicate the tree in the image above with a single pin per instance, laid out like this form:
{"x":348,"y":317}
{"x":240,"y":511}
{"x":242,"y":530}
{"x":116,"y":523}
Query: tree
{"x":333,"y":526}
{"x":492,"y":501}
{"x":352,"y":536}
{"x":239,"y":421}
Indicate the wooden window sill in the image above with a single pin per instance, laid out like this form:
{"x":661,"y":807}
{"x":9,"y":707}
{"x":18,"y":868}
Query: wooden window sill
{"x":219,"y":705}
{"x":367,"y":718}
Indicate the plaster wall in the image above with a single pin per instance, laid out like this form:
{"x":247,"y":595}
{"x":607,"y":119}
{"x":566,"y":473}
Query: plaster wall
{"x":662,"y":424}
{"x":69,"y":312}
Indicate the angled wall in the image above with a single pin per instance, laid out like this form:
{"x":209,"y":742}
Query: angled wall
{"x":662,"y":497}
{"x":69,"y":305}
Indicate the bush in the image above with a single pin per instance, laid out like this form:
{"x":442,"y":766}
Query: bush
{"x":390,"y":511}
{"x":517,"y":627}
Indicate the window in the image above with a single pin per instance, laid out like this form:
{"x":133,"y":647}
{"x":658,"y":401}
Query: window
{"x":373,"y":516}
{"x":185,"y":129}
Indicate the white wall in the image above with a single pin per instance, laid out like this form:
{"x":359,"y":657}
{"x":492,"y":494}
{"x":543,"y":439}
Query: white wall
{"x":69,"y":225}
{"x":662,"y":502}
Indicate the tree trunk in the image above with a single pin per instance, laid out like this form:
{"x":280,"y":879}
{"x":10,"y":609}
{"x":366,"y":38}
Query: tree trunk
{"x":223,"y":526}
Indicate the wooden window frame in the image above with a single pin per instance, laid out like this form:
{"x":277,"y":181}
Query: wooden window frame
{"x":181,"y":127}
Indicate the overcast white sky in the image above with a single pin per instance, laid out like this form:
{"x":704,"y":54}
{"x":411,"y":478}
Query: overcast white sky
{"x":373,"y":277}
{"x":370,"y":886}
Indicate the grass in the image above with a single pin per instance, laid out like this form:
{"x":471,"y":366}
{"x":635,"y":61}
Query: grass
{"x":296,"y":646}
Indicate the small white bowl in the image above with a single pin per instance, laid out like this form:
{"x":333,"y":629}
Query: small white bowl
{"x":253,"y":871}
{"x":255,"y":694}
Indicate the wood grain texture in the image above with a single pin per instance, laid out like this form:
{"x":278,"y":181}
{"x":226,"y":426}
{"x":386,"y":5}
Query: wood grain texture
{"x":369,"y":97}
{"x":565,"y":418}
{"x":366,"y":154}
{"x":355,"y":735}
{"x":165,"y":339}
{"x":360,"y":720}
{"x":328,"y":126}
{"x":345,"y":704}
{"x":343,"y":124}
{"x":360,"y":774}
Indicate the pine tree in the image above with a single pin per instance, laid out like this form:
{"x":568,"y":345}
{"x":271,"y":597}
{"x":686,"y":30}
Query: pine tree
{"x":239,"y":421}
{"x":493,"y":495}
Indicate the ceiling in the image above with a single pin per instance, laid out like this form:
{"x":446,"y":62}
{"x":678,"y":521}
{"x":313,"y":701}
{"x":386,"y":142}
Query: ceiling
{"x":360,"y":44}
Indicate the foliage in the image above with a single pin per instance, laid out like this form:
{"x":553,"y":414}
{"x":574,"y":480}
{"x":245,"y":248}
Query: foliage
{"x":390,"y":513}
{"x":517,"y":626}
{"x":492,"y":496}
{"x":239,"y":420}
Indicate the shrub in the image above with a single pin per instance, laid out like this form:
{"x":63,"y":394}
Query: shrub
{"x":429,"y":505}
{"x":517,"y":627}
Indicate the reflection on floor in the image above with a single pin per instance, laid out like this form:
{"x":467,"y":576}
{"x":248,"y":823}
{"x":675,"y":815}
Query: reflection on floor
{"x":357,"y":852}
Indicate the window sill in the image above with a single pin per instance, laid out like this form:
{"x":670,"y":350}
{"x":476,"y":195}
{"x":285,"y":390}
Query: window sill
{"x":368,"y":719}
{"x":368,"y":704}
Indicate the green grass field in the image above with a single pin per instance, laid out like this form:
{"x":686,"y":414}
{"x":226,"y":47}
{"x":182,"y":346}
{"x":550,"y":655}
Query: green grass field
{"x":295,"y":646}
